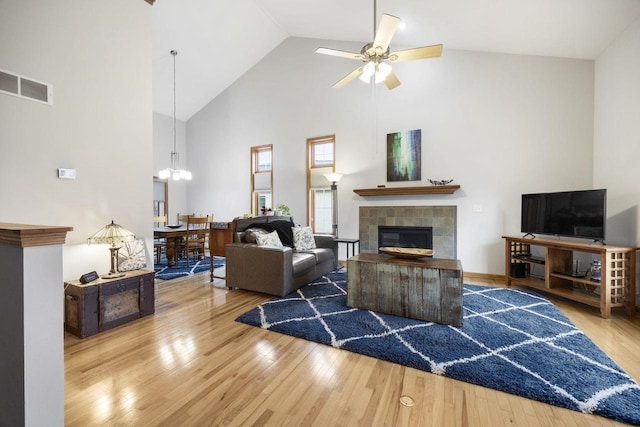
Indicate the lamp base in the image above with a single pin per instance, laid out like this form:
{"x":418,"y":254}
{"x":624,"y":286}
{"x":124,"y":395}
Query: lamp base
{"x":113,"y":275}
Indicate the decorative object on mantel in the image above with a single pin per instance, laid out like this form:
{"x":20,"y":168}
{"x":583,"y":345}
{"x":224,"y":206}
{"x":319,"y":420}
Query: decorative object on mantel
{"x":440,"y":182}
{"x":407,"y":191}
{"x":408,"y":253}
{"x":404,"y":156}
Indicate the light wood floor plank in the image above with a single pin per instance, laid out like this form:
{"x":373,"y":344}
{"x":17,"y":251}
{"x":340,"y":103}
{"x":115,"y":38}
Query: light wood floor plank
{"x":191,"y":364}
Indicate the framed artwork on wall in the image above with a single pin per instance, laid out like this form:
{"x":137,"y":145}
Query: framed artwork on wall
{"x":131,"y":256}
{"x":404,"y":156}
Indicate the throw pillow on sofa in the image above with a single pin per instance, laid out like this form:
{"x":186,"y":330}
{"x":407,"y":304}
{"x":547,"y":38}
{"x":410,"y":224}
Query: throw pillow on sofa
{"x":251,"y":234}
{"x":270,"y":239}
{"x":303,"y":238}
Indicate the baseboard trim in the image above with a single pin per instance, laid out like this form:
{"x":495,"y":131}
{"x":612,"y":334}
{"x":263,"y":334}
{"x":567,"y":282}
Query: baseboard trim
{"x":485,"y":276}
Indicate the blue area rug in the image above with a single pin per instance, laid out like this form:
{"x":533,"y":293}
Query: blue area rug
{"x":512,"y":340}
{"x":180,"y":268}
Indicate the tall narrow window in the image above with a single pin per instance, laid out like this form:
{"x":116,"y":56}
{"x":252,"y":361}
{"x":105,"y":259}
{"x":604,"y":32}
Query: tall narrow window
{"x":261,"y":178}
{"x":320,"y":160}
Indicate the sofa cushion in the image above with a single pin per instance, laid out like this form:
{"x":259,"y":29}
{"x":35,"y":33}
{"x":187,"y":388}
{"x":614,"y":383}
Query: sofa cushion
{"x":320,"y":254}
{"x":303,"y":238}
{"x":269,"y":239}
{"x":251,"y":234}
{"x":283,"y":228}
{"x":302,"y":262}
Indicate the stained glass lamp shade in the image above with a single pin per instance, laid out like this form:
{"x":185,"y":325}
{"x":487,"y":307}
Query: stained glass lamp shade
{"x":112,"y":234}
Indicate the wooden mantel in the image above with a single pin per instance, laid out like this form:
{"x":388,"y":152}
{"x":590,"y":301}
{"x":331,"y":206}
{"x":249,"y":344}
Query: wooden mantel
{"x":24,"y":235}
{"x":407,"y":191}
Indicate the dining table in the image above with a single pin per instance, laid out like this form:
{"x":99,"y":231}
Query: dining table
{"x":172,"y":235}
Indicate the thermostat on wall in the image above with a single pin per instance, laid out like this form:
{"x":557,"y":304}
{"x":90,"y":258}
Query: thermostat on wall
{"x":67,"y":173}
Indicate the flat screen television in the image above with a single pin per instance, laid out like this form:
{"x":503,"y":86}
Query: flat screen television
{"x":580,"y":214}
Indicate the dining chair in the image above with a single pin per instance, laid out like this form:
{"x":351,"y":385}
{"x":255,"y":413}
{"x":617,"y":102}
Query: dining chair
{"x":182,"y":218}
{"x":197,"y":233}
{"x":207,"y":246}
{"x":159,"y":245}
{"x":181,"y":249}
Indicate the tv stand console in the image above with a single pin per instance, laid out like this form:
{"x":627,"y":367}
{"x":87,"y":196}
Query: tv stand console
{"x":616,"y":288}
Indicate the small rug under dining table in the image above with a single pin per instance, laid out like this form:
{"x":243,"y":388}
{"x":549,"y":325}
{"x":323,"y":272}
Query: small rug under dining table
{"x":181,"y":269}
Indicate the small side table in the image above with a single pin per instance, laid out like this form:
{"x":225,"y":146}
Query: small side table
{"x":351,"y":243}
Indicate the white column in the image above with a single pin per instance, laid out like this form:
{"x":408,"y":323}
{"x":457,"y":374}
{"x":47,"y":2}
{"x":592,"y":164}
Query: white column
{"x":31,"y":328}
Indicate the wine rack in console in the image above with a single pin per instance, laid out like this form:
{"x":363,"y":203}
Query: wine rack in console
{"x":616,"y":287}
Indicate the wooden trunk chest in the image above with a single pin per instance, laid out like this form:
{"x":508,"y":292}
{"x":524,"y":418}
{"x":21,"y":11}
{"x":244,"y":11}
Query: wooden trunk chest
{"x":424,"y":289}
{"x":104,"y":304}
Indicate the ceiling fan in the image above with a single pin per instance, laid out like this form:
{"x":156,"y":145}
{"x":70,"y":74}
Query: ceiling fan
{"x":376,"y":55}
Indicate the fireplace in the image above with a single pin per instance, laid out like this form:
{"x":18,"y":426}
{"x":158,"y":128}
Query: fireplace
{"x":441,"y":219}
{"x":405,"y":237}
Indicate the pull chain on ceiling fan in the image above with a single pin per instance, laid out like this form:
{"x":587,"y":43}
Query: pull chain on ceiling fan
{"x":376,"y":55}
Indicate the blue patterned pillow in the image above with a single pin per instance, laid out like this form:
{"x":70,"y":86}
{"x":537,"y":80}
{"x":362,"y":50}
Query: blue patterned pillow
{"x":303,"y":238}
{"x":269,"y":239}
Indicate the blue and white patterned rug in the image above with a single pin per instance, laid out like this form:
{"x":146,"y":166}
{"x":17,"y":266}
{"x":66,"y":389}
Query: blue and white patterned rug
{"x":180,"y":268}
{"x":512,"y":340}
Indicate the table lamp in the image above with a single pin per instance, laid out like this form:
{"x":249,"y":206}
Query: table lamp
{"x":112,"y":234}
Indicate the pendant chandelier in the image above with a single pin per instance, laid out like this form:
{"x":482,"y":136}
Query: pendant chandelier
{"x":174,"y":171}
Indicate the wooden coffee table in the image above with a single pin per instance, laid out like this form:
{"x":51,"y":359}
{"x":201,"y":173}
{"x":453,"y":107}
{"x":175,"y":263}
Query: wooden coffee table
{"x":425,"y":289}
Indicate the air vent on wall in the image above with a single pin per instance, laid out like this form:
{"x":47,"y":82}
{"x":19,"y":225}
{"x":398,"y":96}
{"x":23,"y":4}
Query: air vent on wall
{"x":27,"y":88}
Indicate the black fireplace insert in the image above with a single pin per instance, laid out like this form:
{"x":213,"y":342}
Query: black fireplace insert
{"x":405,"y":237}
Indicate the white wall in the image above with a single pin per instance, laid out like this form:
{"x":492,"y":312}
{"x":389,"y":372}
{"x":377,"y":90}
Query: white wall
{"x":617,"y":137}
{"x":97,"y":55}
{"x":500,"y":125}
{"x":617,"y":134}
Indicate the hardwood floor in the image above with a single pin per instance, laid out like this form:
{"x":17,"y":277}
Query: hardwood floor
{"x":191,"y":364}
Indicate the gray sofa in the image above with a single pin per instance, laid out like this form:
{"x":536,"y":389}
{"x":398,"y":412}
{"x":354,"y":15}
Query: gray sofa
{"x":275,"y":271}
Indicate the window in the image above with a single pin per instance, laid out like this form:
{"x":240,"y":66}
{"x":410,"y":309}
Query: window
{"x":263,"y":160}
{"x":323,"y":212}
{"x":322,"y":155}
{"x":261,"y":178}
{"x":160,"y":197}
{"x":320,"y":161}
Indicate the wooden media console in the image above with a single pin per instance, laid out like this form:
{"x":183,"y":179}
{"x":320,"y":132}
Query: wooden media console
{"x":616,"y":287}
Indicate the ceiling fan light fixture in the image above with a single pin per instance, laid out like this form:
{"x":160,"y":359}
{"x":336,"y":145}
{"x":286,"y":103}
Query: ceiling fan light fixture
{"x":368,"y":71}
{"x":382,"y":71}
{"x":376,"y":54}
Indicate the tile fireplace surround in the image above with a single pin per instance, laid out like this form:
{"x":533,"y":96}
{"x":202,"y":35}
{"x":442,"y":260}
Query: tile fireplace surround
{"x":442,"y":219}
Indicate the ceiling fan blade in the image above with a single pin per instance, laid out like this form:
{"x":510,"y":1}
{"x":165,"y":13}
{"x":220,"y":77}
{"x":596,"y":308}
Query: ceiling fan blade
{"x":416,"y":53}
{"x":346,"y":79}
{"x":386,"y":30}
{"x":391,"y":82}
{"x":340,"y":53}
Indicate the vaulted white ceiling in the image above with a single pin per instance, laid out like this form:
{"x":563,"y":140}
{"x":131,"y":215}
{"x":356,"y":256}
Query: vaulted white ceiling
{"x":219,"y":40}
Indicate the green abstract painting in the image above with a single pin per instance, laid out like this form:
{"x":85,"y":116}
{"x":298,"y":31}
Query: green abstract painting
{"x":404,"y":159}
